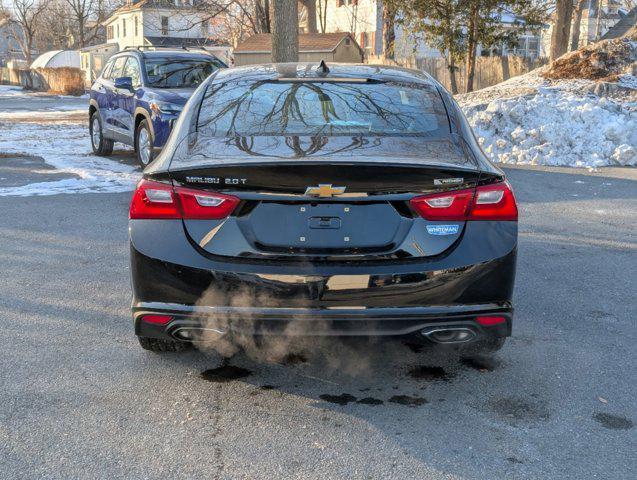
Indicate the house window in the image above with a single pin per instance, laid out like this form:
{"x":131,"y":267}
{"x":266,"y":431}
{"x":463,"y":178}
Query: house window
{"x":117,"y":31}
{"x":367,"y":41}
{"x":124,"y":26}
{"x":164,"y":25}
{"x":204,"y":29}
{"x":136,"y":26}
{"x":109,"y":32}
{"x":533,"y":47}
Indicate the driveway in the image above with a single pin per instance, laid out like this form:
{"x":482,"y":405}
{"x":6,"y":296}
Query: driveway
{"x":80,"y":398}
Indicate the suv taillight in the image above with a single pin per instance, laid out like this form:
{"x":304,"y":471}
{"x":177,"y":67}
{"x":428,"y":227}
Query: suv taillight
{"x":487,"y":202}
{"x":156,"y":200}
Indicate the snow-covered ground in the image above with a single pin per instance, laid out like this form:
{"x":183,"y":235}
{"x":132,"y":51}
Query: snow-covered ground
{"x":56,"y":134}
{"x":10,"y":91}
{"x":15,"y":91}
{"x":528,"y":120}
{"x":67,"y":148}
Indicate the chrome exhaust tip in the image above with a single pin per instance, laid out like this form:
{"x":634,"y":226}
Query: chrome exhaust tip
{"x":449,"y":334}
{"x":189,"y":334}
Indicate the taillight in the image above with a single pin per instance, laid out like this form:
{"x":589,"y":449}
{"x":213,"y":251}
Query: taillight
{"x":488,"y":202}
{"x":156,"y":200}
{"x":157,"y":319}
{"x":490,"y":320}
{"x":444,"y":206}
{"x":494,"y":202}
{"x":200,"y":205}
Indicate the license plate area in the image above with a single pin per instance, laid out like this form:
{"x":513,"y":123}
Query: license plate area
{"x":332,"y":223}
{"x":322,"y":226}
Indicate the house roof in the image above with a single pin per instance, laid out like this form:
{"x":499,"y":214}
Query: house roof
{"x":308,"y":42}
{"x":143,"y":4}
{"x":627,"y":22}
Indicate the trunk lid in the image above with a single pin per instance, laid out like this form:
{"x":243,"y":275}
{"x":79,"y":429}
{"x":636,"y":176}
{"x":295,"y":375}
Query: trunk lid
{"x":299,"y":201}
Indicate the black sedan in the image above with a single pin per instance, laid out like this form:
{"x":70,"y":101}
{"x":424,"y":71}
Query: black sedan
{"x":305,"y":199}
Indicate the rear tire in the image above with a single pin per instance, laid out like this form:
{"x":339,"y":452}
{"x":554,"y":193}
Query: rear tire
{"x":159,"y":346}
{"x":101,"y":146}
{"x":144,"y":144}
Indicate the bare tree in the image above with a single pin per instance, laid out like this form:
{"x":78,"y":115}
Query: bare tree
{"x":285,"y":32}
{"x":55,"y":30}
{"x":253,"y":14}
{"x":598,"y":19}
{"x":262,"y":11}
{"x":321,"y":6}
{"x":389,"y":32}
{"x":81,"y":10}
{"x":310,"y":10}
{"x":26,"y":16}
{"x":577,"y":23}
{"x":561,"y":28}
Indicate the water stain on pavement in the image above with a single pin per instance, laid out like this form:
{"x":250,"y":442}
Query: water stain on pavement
{"x":370,"y":401}
{"x":408,"y":400}
{"x":514,"y":460}
{"x":515,"y":410}
{"x":225,"y":373}
{"x":342,"y":399}
{"x":613,"y":422}
{"x":424,"y":372}
{"x":293,"y":359}
{"x":481,"y":363}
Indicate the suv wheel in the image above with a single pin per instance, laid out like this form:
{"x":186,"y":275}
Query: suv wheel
{"x":157,"y":345}
{"x":101,"y":146}
{"x":144,"y":144}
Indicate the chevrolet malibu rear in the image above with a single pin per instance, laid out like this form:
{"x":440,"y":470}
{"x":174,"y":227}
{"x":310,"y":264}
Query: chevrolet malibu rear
{"x":322,"y":200}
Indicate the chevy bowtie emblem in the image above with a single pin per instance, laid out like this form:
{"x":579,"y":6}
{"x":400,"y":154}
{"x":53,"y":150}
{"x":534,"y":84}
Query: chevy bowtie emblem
{"x":324,"y":190}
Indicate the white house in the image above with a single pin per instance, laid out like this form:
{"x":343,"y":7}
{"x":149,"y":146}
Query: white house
{"x":147,"y":22}
{"x":153,"y":23}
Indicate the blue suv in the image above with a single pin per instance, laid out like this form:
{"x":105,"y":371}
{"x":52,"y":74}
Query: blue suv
{"x":139,"y":95}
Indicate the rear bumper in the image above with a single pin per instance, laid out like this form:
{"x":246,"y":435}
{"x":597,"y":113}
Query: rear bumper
{"x":169,"y":277}
{"x":193,"y":323}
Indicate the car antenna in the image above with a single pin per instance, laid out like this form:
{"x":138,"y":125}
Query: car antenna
{"x":323,"y":68}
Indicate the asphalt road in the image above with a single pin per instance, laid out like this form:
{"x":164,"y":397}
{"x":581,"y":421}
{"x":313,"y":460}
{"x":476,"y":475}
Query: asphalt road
{"x":80,"y":399}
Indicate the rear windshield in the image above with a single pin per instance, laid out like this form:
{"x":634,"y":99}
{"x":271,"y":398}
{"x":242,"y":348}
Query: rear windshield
{"x":178,"y":72}
{"x":266,"y":108}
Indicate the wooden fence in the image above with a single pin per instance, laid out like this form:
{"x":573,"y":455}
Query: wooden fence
{"x":489,"y":70}
{"x":64,"y":80}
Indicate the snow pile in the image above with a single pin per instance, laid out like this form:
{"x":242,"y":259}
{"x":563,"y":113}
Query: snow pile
{"x":579,"y":111}
{"x":67,"y":147}
{"x":557,"y":127}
